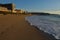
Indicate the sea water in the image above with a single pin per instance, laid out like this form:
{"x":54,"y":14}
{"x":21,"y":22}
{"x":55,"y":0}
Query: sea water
{"x":47,"y":23}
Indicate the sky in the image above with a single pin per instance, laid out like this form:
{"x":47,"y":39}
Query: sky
{"x":50,"y":6}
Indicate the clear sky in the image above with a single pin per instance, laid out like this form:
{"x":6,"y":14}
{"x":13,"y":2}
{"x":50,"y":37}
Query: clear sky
{"x":51,"y":6}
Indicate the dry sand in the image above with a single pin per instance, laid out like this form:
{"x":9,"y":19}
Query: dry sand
{"x":13,"y":27}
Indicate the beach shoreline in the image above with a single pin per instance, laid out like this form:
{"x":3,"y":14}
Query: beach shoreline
{"x":15,"y":27}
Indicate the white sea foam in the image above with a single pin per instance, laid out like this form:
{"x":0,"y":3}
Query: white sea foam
{"x":49,"y":24}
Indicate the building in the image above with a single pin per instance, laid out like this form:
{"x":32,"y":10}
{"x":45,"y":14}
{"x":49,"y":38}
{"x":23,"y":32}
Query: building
{"x":7,"y":7}
{"x":10,"y":8}
{"x":19,"y":11}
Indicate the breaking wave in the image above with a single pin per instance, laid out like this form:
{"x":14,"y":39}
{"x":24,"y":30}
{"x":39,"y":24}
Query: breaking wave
{"x":48,"y":23}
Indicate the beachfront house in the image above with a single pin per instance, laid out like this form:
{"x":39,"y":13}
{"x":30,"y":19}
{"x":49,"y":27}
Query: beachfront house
{"x":20,"y":11}
{"x":7,"y":7}
{"x":10,"y":7}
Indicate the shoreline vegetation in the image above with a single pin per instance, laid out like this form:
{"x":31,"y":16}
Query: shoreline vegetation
{"x":16,"y":28}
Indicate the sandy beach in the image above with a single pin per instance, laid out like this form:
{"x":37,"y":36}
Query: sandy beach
{"x":13,"y":27}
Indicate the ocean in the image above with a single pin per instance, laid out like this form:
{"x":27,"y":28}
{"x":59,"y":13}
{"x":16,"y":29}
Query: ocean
{"x":47,"y":23}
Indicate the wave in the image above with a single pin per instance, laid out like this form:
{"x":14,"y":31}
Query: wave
{"x":48,"y":23}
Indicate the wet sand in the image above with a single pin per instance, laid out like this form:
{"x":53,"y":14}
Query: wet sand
{"x":13,"y":27}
